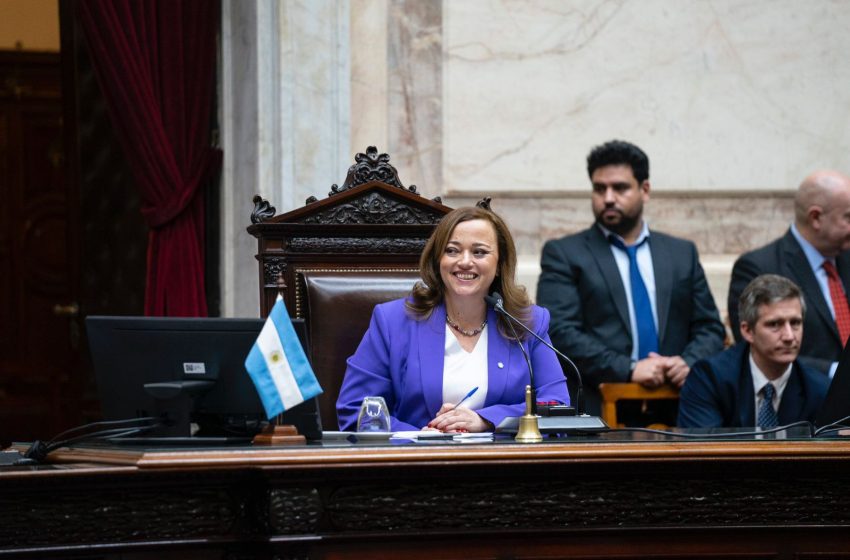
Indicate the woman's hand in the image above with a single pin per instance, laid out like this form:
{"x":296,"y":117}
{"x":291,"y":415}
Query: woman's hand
{"x":461,"y":419}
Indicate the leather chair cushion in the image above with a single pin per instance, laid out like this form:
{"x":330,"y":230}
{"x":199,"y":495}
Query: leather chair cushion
{"x":339,"y":307}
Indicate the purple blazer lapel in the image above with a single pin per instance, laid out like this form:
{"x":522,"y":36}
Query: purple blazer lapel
{"x":498,"y":360}
{"x":432,"y":351}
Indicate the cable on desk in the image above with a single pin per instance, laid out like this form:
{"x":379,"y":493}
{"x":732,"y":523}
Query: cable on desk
{"x":39,"y":450}
{"x":722,"y":434}
{"x":835,"y":427}
{"x":85,"y":427}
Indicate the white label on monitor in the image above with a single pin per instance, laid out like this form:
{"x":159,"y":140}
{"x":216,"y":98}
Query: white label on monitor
{"x":196,"y":368}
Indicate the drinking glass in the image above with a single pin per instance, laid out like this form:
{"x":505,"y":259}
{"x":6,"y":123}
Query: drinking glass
{"x":374,"y":415}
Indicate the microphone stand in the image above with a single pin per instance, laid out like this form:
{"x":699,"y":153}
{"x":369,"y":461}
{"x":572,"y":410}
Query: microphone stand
{"x":581,"y":423}
{"x":529,"y":429}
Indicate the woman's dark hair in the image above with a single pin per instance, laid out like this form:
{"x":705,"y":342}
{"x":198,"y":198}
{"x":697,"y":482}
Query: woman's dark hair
{"x":426,"y":295}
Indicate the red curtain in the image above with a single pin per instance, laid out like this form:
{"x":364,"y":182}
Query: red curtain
{"x":155,"y":62}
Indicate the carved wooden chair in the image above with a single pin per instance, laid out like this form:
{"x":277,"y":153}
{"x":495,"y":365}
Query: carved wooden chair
{"x":612,"y":393}
{"x":340,"y":256}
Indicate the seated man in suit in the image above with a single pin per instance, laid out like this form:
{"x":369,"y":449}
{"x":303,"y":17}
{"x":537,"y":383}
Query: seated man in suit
{"x":758,"y":382}
{"x":627,"y":303}
{"x":814,"y":253}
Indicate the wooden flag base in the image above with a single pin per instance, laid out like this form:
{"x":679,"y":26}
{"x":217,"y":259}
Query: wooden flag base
{"x":279,"y":435}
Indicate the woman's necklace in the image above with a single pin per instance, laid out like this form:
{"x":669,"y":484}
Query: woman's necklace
{"x":473,"y":332}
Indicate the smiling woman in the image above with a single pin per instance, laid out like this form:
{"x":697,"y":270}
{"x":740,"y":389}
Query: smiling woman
{"x":438,"y":346}
{"x":467,"y":269}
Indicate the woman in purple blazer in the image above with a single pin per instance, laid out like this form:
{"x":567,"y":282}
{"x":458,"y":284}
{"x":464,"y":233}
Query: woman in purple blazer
{"x":428,"y":351}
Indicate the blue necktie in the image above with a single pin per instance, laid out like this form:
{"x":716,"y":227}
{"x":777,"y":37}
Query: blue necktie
{"x":767,"y":416}
{"x":647,"y":334}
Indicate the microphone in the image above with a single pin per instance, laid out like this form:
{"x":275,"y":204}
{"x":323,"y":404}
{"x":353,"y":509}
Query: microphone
{"x":582,"y":422}
{"x":498,"y":304}
{"x":533,"y":408}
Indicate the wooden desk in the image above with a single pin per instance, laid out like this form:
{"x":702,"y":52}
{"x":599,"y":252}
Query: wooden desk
{"x":629,"y":496}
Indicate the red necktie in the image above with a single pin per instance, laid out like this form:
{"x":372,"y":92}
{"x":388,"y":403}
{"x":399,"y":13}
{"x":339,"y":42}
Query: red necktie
{"x":839,"y":302}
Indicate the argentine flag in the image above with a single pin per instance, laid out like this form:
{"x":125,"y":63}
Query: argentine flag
{"x":278,"y":366}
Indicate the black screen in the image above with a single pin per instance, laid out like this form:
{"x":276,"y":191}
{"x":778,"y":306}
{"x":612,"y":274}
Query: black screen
{"x":129,"y":353}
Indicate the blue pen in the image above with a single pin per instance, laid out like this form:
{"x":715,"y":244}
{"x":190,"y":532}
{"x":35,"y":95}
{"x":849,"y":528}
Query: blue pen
{"x":463,"y":400}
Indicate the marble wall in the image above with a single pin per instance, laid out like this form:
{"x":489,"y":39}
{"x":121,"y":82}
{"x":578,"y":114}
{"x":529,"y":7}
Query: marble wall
{"x":742,"y":95}
{"x":734,"y":101}
{"x":722,"y":226}
{"x":285,"y":114}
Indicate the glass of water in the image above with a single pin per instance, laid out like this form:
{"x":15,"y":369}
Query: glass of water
{"x":374,"y":415}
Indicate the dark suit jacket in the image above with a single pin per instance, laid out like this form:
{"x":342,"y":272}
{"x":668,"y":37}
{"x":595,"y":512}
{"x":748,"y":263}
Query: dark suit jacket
{"x":581,"y":286}
{"x":821,"y":345}
{"x":719,"y":393}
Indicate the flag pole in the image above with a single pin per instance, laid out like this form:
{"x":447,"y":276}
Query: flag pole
{"x":276,"y":433}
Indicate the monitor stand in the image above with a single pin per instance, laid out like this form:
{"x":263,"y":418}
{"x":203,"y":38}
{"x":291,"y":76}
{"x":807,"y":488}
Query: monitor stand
{"x":175,"y":403}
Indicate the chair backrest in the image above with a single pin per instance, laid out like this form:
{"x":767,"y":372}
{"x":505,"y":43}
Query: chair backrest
{"x":613,"y":393}
{"x":339,"y":304}
{"x":334,"y":259}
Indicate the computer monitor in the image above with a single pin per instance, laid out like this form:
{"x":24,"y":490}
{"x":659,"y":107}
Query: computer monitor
{"x":190,"y":370}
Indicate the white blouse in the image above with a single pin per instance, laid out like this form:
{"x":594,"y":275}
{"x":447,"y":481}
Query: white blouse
{"x":464,"y":370}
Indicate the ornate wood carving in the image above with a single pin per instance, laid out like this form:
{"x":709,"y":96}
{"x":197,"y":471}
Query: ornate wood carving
{"x":273,"y":268}
{"x":552,"y":504}
{"x":372,"y":221}
{"x":294,"y":511}
{"x":298,"y":500}
{"x":262,"y":210}
{"x":374,"y":208}
{"x":114,"y":514}
{"x":370,"y":166}
{"x":356,"y":245}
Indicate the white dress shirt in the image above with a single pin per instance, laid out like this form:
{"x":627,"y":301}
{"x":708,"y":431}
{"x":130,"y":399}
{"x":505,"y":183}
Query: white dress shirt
{"x":644,"y":262}
{"x":760,"y":380}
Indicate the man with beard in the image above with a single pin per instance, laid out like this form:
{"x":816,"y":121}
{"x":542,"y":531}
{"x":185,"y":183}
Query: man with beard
{"x":759,"y":381}
{"x":815,"y":254}
{"x":627,"y":303}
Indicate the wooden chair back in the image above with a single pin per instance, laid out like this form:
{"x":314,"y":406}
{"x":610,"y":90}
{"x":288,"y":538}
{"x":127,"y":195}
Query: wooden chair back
{"x":334,"y":259}
{"x":612,"y":393}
